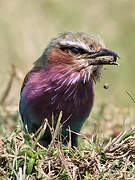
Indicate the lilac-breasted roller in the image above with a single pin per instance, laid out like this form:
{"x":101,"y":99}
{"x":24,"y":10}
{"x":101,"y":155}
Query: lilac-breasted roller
{"x":62,"y":80}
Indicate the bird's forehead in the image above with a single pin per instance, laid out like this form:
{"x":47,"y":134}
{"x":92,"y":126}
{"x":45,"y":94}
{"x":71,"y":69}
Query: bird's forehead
{"x":81,"y":40}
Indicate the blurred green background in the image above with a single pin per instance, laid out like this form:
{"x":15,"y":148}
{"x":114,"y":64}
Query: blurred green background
{"x":26,"y":27}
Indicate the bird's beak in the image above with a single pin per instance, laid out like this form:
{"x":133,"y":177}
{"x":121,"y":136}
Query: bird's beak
{"x":103,"y":61}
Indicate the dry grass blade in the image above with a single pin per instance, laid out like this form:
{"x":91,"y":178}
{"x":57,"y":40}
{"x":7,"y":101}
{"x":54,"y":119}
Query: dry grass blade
{"x":56,"y":132}
{"x":114,"y":141}
{"x":9,"y":85}
{"x":130,"y":96}
{"x":39,"y":133}
{"x":122,"y":146}
{"x":66,"y":164}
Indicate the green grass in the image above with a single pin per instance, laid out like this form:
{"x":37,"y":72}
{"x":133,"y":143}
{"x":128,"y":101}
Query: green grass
{"x":22,"y":157}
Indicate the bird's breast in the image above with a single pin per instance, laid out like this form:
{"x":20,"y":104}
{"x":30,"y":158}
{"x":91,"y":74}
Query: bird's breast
{"x":53,"y":90}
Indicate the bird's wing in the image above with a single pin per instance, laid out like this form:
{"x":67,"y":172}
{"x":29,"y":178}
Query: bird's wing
{"x":26,"y":79}
{"x":38,"y":65}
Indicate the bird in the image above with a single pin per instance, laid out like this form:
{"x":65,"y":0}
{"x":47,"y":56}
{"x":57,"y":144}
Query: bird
{"x":62,"y":80}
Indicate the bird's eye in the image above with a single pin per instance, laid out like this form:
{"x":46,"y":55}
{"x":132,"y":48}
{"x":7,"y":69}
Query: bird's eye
{"x":75,"y":50}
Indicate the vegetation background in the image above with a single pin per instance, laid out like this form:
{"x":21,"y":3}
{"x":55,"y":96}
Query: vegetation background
{"x":26,"y":27}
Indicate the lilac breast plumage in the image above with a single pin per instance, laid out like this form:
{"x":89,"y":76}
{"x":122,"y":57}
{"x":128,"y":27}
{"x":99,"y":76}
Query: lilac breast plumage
{"x":56,"y":89}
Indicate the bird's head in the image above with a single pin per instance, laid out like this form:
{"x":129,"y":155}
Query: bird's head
{"x":82,"y":52}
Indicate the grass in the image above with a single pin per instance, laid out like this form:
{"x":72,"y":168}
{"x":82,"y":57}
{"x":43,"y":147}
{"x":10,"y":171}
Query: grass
{"x":22,"y":157}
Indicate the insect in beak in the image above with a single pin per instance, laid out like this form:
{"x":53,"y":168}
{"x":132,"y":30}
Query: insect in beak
{"x":100,"y":58}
